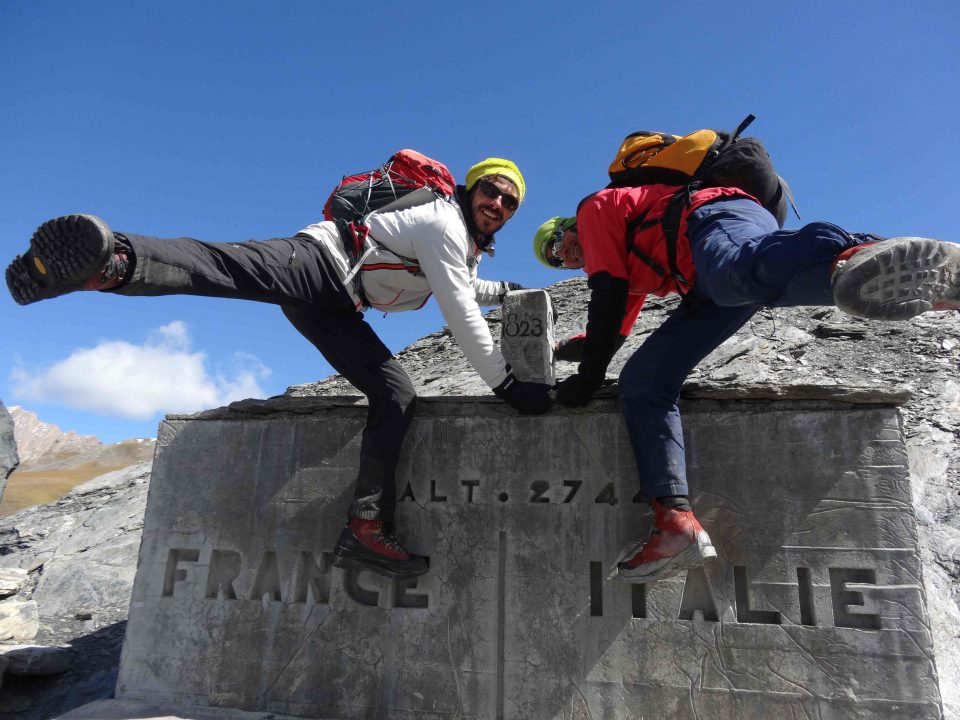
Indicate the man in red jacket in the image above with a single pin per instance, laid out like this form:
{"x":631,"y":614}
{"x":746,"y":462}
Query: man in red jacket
{"x":731,"y":259}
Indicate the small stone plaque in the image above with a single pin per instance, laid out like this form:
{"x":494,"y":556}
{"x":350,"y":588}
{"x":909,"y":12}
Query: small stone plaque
{"x":526,"y":335}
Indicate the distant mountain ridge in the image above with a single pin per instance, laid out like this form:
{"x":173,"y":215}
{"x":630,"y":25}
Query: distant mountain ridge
{"x":36,"y":439}
{"x":52,"y":461}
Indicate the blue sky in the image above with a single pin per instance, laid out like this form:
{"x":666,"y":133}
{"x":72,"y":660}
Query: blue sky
{"x":233,"y":120}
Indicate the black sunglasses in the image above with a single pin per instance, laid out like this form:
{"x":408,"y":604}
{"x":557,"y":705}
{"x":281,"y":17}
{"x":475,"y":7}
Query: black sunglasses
{"x":509,"y":202}
{"x":555,"y":246}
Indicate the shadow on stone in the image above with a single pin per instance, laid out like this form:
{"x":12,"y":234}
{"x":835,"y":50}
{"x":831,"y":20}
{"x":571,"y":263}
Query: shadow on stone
{"x":93,"y":676}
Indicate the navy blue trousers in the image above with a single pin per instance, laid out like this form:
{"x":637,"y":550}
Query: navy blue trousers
{"x":743,"y":262}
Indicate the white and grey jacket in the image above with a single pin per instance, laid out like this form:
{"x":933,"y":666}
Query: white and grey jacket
{"x":412,"y":253}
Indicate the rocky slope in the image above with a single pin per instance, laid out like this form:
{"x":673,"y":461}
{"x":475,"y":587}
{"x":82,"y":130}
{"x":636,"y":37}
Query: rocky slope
{"x":80,"y":552}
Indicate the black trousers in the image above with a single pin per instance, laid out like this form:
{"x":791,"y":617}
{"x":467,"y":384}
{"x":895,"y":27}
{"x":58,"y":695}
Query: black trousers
{"x":296,"y":274}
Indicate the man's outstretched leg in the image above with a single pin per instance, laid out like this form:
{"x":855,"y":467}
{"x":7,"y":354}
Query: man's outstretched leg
{"x":898,"y":279}
{"x":74,"y":252}
{"x":80,"y":252}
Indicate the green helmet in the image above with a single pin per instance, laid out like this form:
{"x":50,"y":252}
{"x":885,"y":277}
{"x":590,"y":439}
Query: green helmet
{"x":548,"y":234}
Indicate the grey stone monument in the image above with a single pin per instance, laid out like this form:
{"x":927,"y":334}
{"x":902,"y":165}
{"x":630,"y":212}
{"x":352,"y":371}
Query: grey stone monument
{"x":815,"y":608}
{"x":526,"y":335}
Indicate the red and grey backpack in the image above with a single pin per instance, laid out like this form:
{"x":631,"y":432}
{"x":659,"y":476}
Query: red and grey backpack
{"x":360,"y":194}
{"x":405,"y":171}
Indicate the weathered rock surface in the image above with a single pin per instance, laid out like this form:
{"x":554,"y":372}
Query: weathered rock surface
{"x":9,"y":458}
{"x":526,"y":338}
{"x":784,"y":350}
{"x":515,"y":618}
{"x":125,"y":710}
{"x":11,"y":580}
{"x":18,"y":620}
{"x":36,"y":659}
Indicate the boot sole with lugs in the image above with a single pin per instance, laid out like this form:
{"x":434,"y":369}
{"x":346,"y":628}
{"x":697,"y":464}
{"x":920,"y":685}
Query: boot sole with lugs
{"x":694,"y":555}
{"x":65,"y":253}
{"x":898,"y":279}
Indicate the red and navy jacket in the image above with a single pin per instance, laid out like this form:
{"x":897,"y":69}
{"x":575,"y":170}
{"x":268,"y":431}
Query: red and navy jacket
{"x":621,"y":270}
{"x":602,"y":221}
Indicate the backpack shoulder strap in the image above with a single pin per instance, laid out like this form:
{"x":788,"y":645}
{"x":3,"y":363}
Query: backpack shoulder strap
{"x":742,"y":126}
{"x":681,"y":199}
{"x":638,"y":225}
{"x":671,"y":233}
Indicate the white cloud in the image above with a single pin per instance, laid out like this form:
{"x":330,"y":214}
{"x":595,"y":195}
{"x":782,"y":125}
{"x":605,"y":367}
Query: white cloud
{"x":136,"y":382}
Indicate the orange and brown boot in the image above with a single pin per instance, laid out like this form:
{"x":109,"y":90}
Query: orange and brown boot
{"x":676,"y":542}
{"x":897,"y":279}
{"x":373,"y":545}
{"x":73,"y":252}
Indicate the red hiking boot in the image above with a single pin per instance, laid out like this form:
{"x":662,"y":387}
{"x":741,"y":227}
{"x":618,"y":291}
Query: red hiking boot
{"x":74,"y":252}
{"x":897,"y":279}
{"x":676,"y":542}
{"x":373,"y":545}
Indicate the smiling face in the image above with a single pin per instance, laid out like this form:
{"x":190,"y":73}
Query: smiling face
{"x":570,"y":252}
{"x":489,"y":213}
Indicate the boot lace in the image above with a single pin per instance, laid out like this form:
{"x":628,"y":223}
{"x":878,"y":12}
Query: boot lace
{"x":387,"y":537}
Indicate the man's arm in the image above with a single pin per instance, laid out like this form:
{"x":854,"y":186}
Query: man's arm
{"x":492,"y":292}
{"x":605,"y":312}
{"x":442,"y":250}
{"x":442,"y":246}
{"x":601,"y":226}
{"x":571,"y":348}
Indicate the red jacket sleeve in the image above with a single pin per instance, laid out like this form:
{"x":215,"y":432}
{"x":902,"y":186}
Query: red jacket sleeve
{"x":634,"y":305}
{"x":602,"y":228}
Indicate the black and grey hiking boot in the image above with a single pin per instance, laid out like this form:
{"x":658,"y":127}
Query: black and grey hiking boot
{"x":897,"y":279}
{"x":73,"y":252}
{"x":373,"y":545}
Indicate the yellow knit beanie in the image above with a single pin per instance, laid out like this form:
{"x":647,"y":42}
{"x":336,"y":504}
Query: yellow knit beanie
{"x":496,"y":166}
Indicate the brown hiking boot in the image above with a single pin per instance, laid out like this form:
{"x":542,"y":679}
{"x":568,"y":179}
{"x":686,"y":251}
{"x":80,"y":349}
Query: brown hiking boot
{"x":373,"y":545}
{"x":898,"y":279}
{"x":676,"y":542}
{"x":74,"y":252}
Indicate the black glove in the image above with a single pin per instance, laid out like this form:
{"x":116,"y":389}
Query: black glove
{"x":527,"y":398}
{"x":577,"y":389}
{"x":605,"y":311}
{"x":506,"y":287}
{"x":571,"y":349}
{"x":608,"y":302}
